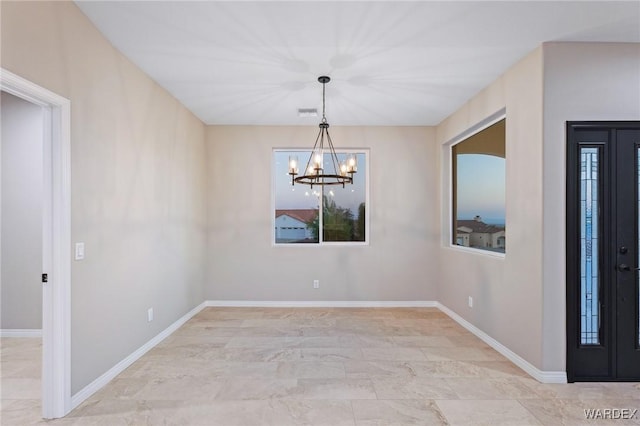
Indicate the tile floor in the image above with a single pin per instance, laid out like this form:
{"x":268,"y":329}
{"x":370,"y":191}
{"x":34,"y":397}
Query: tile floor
{"x":365,"y":367}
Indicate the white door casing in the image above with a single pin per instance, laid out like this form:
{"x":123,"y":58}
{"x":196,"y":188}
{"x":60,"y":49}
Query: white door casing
{"x":56,"y":298}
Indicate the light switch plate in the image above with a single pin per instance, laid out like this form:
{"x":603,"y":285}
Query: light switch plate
{"x":79,"y":251}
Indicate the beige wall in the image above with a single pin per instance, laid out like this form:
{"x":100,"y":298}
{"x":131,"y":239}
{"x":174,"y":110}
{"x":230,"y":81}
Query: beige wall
{"x":399,"y":264}
{"x":144,"y":169}
{"x":21,"y":230}
{"x":583,"y":81}
{"x":507,"y":291}
{"x":520,"y":299}
{"x":138,"y":184}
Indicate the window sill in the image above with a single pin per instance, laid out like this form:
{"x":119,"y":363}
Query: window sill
{"x":476,"y":251}
{"x":325,"y":244}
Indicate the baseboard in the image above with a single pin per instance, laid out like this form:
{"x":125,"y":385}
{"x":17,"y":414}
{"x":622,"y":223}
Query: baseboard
{"x":539,"y":375}
{"x":321,"y":304}
{"x":97,"y":384}
{"x":101,"y":381}
{"x":21,"y":332}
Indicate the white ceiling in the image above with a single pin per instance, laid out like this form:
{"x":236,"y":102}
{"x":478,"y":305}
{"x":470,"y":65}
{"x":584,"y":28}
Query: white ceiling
{"x":391,"y":63}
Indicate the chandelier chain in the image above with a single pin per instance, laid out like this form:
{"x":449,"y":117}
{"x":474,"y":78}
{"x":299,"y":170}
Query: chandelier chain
{"x":324,"y":118}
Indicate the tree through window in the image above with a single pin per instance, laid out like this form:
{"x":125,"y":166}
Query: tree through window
{"x":322,"y":214}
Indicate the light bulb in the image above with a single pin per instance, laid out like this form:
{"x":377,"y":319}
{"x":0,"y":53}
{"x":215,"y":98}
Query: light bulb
{"x":293,"y":164}
{"x":353,"y":163}
{"x":317,"y":161}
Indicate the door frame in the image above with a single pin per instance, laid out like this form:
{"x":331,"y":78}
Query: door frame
{"x":572,"y":253}
{"x":56,"y":293}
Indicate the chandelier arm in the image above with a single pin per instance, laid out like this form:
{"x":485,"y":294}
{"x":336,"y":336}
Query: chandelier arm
{"x":306,"y":170}
{"x":320,"y":173}
{"x":334,"y":156}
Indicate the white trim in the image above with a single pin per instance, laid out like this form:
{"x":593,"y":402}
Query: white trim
{"x":478,"y":127}
{"x":105,"y":378}
{"x":321,"y":304}
{"x":56,"y":296}
{"x":539,"y":375}
{"x":21,"y":332}
{"x":476,"y":251}
{"x":447,"y":229}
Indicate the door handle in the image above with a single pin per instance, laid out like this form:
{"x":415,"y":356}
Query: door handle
{"x":623,"y":267}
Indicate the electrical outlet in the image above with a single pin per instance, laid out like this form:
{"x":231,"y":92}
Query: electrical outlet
{"x":150,"y":314}
{"x":316,"y":283}
{"x":470,"y":302}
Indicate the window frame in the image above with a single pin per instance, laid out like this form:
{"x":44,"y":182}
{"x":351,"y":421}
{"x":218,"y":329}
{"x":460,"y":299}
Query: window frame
{"x":450,"y":232}
{"x":320,"y":243}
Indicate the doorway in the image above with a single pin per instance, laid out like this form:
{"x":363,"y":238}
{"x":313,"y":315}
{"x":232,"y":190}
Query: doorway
{"x":603,"y":249}
{"x":22,"y":219}
{"x":56,"y":241}
{"x":21,"y":251}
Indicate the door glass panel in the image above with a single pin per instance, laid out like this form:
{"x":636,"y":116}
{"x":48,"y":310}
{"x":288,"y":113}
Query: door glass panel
{"x":638,"y":228}
{"x":589,"y":242}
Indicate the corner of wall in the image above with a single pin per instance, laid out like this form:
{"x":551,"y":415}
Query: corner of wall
{"x":510,"y":287}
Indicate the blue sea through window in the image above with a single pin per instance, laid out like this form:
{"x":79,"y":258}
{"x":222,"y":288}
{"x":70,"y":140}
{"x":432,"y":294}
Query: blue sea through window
{"x":589,"y":244}
{"x":479,"y":190}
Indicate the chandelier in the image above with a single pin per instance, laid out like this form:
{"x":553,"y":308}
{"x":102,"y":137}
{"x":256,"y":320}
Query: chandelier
{"x":321,"y":171}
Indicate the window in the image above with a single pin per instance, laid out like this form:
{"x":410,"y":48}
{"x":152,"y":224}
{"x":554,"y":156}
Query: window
{"x":322,"y":214}
{"x":478,"y":203}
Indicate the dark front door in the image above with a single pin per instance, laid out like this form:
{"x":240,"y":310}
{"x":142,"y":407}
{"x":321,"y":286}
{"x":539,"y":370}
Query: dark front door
{"x":603,"y":249}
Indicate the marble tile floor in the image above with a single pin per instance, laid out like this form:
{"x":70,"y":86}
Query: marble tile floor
{"x":316,"y":366}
